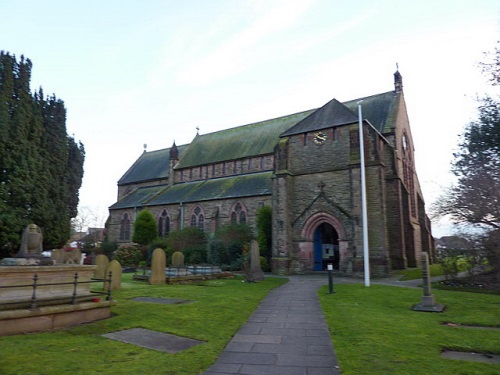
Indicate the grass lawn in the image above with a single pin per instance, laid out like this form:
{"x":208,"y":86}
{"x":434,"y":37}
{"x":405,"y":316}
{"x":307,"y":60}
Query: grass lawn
{"x":220,"y":308}
{"x":374,"y":330}
{"x":416,"y":273}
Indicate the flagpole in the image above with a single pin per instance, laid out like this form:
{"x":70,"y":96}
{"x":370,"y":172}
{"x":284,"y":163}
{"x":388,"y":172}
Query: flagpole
{"x":366,"y":256}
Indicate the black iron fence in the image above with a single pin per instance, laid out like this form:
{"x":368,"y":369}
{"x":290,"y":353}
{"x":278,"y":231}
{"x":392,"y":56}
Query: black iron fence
{"x":74,"y":298}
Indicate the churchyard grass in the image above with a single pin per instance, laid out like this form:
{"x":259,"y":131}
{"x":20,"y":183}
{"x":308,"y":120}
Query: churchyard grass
{"x":416,"y":273}
{"x":218,"y":310}
{"x":375,"y":331}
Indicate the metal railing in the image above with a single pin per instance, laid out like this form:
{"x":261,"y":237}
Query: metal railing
{"x":34,"y":302}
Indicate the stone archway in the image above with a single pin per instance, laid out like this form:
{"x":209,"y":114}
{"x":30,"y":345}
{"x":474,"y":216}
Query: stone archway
{"x":323,"y":242}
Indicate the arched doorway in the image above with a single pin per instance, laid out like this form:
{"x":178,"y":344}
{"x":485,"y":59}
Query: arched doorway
{"x":326,"y":247}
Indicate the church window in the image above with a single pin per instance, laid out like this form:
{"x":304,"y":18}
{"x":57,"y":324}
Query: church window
{"x":238,"y":214}
{"x":197,"y":218}
{"x":163,"y":224}
{"x":125,"y":227}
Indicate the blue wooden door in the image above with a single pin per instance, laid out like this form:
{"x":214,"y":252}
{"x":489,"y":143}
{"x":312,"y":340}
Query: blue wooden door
{"x":318,"y":250}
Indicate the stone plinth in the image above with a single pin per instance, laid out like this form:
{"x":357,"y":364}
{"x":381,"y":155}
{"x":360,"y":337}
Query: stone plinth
{"x":23,"y":277}
{"x":45,"y":318}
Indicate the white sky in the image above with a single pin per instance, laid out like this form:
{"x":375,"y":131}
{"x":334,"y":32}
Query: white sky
{"x":150,"y":72}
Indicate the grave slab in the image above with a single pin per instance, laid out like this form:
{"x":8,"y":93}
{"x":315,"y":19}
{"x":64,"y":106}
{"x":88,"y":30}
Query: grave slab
{"x":163,"y":342}
{"x":163,"y":301}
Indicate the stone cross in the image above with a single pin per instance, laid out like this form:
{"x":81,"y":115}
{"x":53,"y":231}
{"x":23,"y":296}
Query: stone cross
{"x":428,"y":303}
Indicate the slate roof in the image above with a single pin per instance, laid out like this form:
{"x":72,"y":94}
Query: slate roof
{"x":331,"y":114}
{"x":260,"y":138}
{"x":241,"y":142}
{"x":254,"y":184}
{"x":150,"y":166}
{"x":379,"y":109}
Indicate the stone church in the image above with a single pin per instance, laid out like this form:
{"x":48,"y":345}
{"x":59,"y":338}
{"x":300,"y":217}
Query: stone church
{"x":306,"y":166}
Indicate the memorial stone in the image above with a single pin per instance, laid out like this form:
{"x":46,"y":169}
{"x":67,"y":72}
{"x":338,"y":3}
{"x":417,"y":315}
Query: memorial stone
{"x":102,"y":263}
{"x":158,"y":265}
{"x":427,"y":303}
{"x":116,"y":275}
{"x":255,"y":273}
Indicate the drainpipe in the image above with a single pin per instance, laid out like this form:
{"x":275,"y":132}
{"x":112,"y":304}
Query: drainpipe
{"x":182,"y":215}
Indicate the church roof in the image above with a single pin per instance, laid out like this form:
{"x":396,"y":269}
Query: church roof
{"x":221,"y":188}
{"x":241,"y":142}
{"x":260,"y":138}
{"x":150,"y":166}
{"x":331,"y":114}
{"x":379,"y":109}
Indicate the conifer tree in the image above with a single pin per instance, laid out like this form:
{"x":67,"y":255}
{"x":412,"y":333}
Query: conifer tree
{"x":41,"y":168}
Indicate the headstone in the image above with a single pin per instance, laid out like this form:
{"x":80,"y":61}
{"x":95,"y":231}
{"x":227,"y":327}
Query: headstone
{"x":177,"y":259}
{"x":158,"y":265}
{"x":58,"y":256}
{"x":116,"y":275}
{"x":73,"y":256}
{"x":428,"y":303}
{"x":255,"y":273}
{"x":102,"y":263}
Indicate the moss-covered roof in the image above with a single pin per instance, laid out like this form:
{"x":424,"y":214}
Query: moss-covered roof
{"x":240,"y":142}
{"x":150,"y":166}
{"x":260,"y":138}
{"x":221,"y":188}
{"x":139,"y":197}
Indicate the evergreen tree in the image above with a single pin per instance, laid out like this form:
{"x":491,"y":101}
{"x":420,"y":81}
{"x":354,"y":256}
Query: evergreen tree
{"x":41,"y":168}
{"x":145,"y":230}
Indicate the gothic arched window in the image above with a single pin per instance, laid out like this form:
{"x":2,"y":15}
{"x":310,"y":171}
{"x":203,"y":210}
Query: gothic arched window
{"x":238,"y":214}
{"x":197,"y":218}
{"x":163,"y":224}
{"x":125,"y":227}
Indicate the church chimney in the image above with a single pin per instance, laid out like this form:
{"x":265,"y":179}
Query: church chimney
{"x":398,"y":82}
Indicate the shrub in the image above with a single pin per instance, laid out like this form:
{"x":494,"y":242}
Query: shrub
{"x":227,"y":246}
{"x":264,"y":231}
{"x":191,"y":241}
{"x":129,"y":255}
{"x":145,"y":230}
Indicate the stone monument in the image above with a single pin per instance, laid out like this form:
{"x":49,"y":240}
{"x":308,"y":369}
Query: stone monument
{"x":428,"y":303}
{"x":158,"y":265}
{"x":254,"y":273}
{"x":30,"y":251}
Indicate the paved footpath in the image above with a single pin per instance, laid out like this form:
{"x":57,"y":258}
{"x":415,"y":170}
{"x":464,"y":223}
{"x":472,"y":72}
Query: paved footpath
{"x":287,"y":334}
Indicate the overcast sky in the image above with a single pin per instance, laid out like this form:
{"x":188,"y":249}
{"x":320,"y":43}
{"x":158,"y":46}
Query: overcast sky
{"x":151,"y":72}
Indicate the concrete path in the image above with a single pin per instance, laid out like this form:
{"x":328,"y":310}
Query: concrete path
{"x":287,"y":334}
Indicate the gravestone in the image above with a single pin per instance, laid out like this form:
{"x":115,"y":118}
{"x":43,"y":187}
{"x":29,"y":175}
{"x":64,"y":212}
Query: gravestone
{"x":158,"y":265}
{"x":102,"y":262}
{"x":57,"y":256}
{"x":255,"y":273}
{"x":116,"y":275}
{"x":427,"y":303}
{"x":177,"y":259}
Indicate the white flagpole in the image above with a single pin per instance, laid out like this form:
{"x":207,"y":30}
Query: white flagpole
{"x":366,"y":255}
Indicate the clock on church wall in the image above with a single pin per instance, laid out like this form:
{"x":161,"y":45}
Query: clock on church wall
{"x":320,"y":137}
